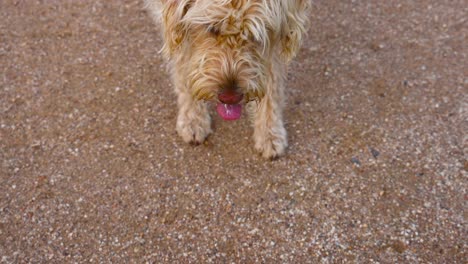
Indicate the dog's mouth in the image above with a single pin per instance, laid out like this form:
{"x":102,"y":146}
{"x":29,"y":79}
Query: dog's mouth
{"x":229,"y":112}
{"x":229,"y":107}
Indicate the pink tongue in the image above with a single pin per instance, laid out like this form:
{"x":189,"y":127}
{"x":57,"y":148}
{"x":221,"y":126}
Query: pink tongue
{"x":229,"y":112}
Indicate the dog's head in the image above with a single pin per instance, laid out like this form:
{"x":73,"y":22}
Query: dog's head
{"x":226,"y":48}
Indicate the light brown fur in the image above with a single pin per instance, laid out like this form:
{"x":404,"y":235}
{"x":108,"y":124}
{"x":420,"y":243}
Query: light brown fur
{"x":212,"y":44}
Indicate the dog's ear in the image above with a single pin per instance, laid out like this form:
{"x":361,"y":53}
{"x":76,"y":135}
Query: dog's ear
{"x":294,"y":27}
{"x":170,"y":13}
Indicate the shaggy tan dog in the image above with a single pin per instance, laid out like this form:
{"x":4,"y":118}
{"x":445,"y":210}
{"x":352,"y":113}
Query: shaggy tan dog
{"x":231,"y":52}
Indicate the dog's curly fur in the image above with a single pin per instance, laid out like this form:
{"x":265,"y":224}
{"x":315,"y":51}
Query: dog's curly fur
{"x":245,"y":44}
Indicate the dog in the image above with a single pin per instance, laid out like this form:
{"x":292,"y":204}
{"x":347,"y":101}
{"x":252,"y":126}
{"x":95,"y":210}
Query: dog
{"x":235,"y":53}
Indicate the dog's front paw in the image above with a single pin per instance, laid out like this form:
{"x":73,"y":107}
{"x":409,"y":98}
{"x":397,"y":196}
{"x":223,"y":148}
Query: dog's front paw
{"x":271,"y":145}
{"x":195,"y":129}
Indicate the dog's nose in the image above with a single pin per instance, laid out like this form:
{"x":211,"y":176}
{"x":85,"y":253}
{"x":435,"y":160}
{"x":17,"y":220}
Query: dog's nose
{"x":230,"y":93}
{"x":230,"y":96}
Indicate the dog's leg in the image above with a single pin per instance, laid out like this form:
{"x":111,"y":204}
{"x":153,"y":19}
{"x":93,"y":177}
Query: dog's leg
{"x":193,"y":120}
{"x":269,"y":133}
